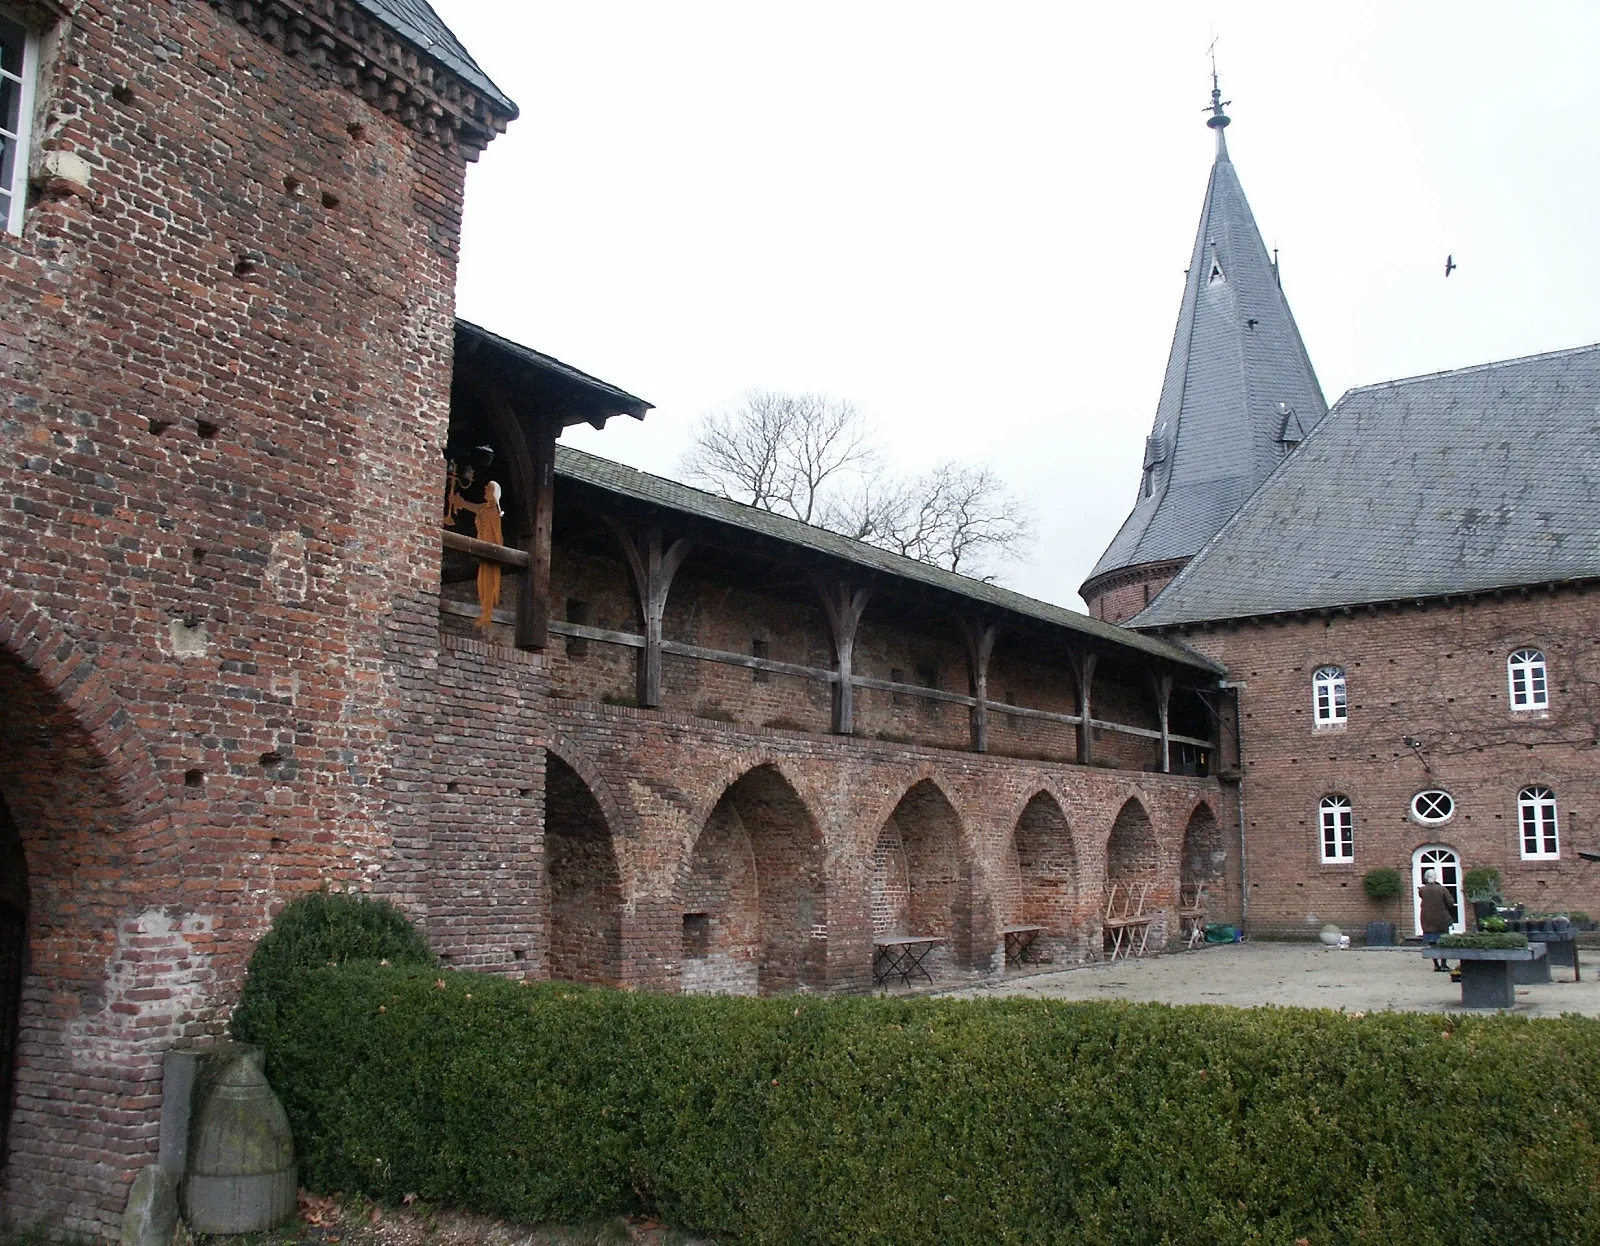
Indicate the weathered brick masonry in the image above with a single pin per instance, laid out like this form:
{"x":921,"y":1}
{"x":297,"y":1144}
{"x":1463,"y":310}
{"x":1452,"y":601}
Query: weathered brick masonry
{"x":227,"y":363}
{"x":1434,"y":673}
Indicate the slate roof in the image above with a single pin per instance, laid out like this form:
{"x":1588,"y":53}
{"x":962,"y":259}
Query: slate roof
{"x":1236,"y":356}
{"x":1478,"y":479}
{"x":616,"y":478}
{"x":600,"y":399}
{"x":417,"y":23}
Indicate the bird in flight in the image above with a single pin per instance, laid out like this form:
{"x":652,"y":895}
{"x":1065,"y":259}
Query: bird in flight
{"x":1450,"y":265}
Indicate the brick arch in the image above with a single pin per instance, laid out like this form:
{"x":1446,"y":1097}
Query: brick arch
{"x":921,"y":871}
{"x":735,"y":770}
{"x":44,"y":649}
{"x":619,"y":816}
{"x":1042,"y":876}
{"x":865,"y":832}
{"x":584,"y":881}
{"x":750,"y":890}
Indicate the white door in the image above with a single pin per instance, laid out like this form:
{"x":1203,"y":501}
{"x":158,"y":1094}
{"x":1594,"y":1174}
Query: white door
{"x":1445,"y":860}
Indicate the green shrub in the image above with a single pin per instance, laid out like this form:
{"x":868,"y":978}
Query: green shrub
{"x":1481,"y":884}
{"x":1381,"y":884}
{"x":321,"y":928}
{"x":1485,"y":939}
{"x":900,"y":1122}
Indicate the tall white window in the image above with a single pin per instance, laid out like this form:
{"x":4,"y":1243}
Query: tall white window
{"x":19,"y":53}
{"x":1327,"y":696}
{"x":1338,"y":829}
{"x":1530,"y":690}
{"x":1536,"y":808}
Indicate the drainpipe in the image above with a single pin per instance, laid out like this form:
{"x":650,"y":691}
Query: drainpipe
{"x":1244,"y":866}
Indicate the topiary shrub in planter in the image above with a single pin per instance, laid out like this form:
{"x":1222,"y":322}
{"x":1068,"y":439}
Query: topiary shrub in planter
{"x":1381,"y":884}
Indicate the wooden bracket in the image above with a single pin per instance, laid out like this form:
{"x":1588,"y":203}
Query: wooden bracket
{"x":979,"y":635}
{"x":1083,"y":664}
{"x":654,"y":565}
{"x":844,"y":605}
{"x":1162,"y":685}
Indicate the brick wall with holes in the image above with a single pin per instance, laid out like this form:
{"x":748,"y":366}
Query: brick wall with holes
{"x":1429,"y":708}
{"x":757,"y":859}
{"x":226,"y":338}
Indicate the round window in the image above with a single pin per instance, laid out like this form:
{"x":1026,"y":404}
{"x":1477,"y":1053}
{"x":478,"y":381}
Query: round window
{"x":1432,"y":807}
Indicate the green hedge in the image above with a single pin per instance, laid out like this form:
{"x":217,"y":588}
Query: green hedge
{"x":938,"y":1121}
{"x":1495,"y":939}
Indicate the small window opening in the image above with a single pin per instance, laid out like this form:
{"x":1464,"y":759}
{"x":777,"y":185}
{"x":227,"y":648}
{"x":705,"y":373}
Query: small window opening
{"x":760,"y":649}
{"x":1433,"y":807}
{"x":897,"y":676}
{"x":1530,"y":685}
{"x":696,"y":936}
{"x":1328,"y":697}
{"x":577,"y":612}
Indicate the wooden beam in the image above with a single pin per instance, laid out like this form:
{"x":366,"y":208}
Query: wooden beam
{"x":654,"y":564}
{"x":979,"y":635}
{"x":503,"y":554}
{"x":843,"y":605}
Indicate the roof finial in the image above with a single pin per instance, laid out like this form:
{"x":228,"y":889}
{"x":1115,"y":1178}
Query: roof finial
{"x":1218,"y":120}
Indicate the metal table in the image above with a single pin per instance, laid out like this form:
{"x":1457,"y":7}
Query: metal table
{"x":1019,"y":941}
{"x":901,"y":956}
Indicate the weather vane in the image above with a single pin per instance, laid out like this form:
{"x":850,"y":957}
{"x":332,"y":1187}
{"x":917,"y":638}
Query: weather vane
{"x":1218,"y":118}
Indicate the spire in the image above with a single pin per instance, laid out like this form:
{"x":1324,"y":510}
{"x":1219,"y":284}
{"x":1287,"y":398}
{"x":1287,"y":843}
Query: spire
{"x":1238,"y":395}
{"x":1218,"y":120}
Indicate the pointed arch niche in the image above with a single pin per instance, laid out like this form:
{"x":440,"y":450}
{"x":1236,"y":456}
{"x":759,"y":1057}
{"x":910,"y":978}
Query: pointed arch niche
{"x":1133,"y":858}
{"x":1039,"y":883}
{"x":585,"y":883}
{"x":919,"y":884}
{"x":752,"y":901}
{"x":1205,"y":861}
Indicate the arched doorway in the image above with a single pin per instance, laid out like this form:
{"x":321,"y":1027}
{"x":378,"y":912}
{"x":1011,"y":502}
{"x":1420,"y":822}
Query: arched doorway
{"x":752,"y":902}
{"x":1040,"y":885}
{"x":920,"y":884}
{"x":71,"y":989}
{"x":1447,"y":861}
{"x":1205,"y":862}
{"x":13,"y":959}
{"x":585,"y":884}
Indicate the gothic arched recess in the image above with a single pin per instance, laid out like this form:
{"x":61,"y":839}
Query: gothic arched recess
{"x":585,"y":883}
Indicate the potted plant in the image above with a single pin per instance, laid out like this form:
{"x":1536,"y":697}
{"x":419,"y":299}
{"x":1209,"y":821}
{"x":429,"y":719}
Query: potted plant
{"x":1482,"y":885}
{"x":1381,"y":885}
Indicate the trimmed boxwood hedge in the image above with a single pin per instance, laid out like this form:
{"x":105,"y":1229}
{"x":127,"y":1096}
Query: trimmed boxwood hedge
{"x":1493,"y":939}
{"x":803,"y":1120}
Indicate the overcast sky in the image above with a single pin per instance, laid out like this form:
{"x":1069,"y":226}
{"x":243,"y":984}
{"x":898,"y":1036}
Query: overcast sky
{"x":973,"y":220}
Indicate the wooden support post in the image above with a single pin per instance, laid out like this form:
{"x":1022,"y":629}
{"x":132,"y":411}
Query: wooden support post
{"x":528,"y":448}
{"x":980,"y":637}
{"x":533,"y":603}
{"x":653,"y":570}
{"x":1163,"y":690}
{"x":1083,"y":665}
{"x":844,"y":607}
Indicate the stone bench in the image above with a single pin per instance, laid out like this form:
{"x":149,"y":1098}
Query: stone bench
{"x":1488,"y":974}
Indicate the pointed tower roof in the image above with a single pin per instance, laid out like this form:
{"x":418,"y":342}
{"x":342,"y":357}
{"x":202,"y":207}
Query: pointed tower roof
{"x":1239,"y":391}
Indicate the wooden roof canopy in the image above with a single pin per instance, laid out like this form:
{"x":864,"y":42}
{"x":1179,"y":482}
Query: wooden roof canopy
{"x":537,"y":382}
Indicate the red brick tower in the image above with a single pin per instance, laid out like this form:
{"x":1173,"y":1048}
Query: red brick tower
{"x":228,"y":269}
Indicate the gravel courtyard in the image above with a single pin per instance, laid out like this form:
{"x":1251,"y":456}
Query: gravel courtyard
{"x":1301,"y":975}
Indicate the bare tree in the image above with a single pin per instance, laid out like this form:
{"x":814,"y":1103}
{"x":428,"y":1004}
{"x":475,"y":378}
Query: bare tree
{"x":813,"y":458}
{"x":781,"y":452}
{"x":958,"y":516}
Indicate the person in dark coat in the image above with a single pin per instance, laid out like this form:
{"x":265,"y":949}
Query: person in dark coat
{"x":1438,"y":913}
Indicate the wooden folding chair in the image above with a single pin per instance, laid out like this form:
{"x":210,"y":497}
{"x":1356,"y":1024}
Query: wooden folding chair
{"x":1192,"y":913}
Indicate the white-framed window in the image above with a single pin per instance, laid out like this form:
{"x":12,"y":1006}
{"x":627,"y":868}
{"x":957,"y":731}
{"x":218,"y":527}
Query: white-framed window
{"x":1328,"y":696}
{"x":1338,"y":829}
{"x":19,"y":57}
{"x":1536,"y":810}
{"x":1530,"y":689}
{"x":1433,"y":806}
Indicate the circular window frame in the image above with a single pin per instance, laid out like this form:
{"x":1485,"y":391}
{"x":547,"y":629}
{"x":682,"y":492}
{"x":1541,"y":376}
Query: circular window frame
{"x":1423,"y":820}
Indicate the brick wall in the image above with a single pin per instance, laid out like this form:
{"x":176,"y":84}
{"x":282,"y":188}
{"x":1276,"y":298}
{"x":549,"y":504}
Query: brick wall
{"x":227,"y":372}
{"x":1436,"y":675}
